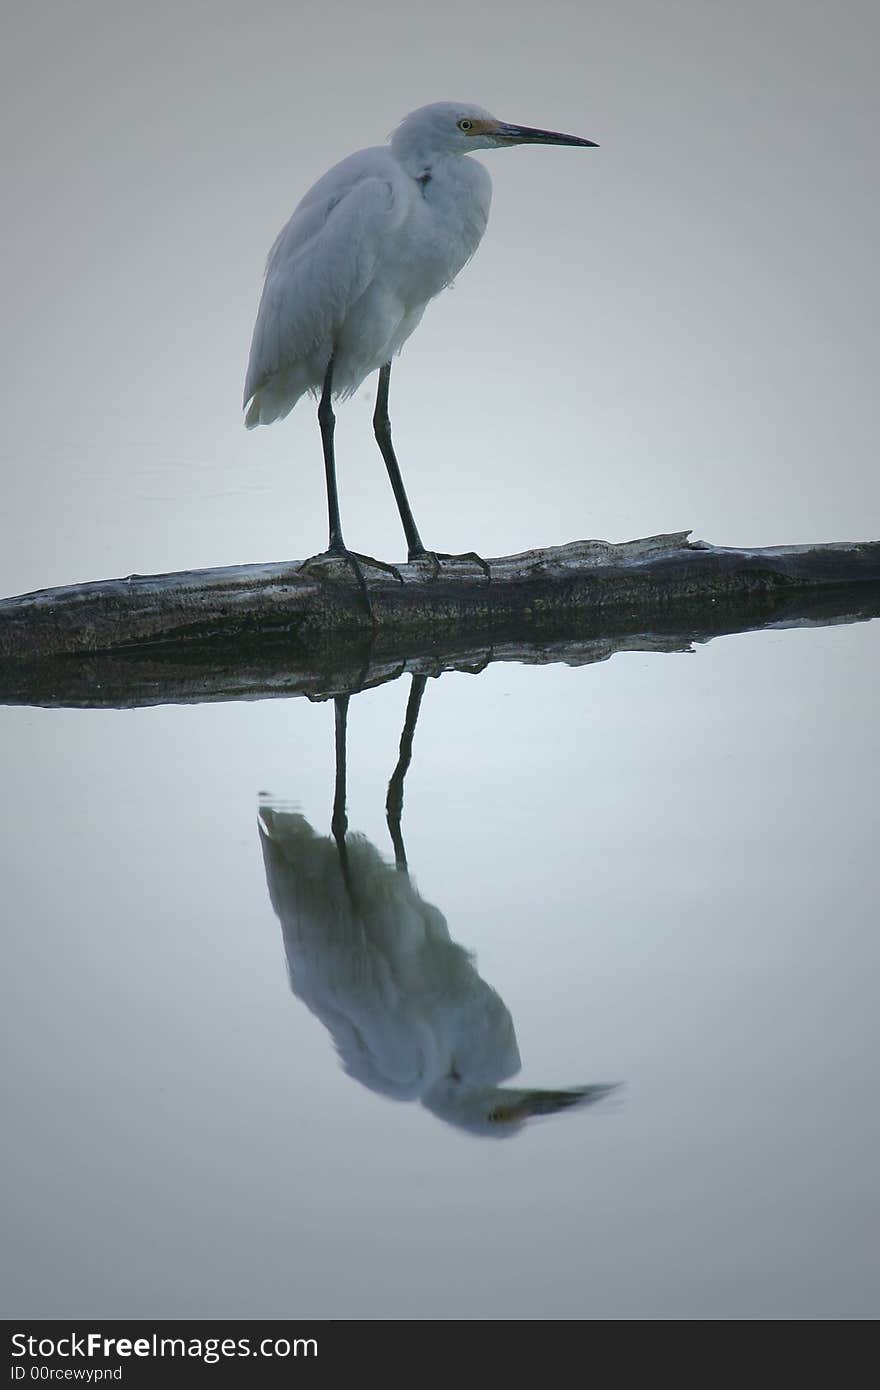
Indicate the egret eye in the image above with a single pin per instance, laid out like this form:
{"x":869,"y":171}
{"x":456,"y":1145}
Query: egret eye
{"x":465,"y":125}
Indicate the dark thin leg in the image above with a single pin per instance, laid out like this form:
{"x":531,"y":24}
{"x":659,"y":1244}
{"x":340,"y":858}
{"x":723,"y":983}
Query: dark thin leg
{"x":337,"y":546}
{"x":327,"y":421}
{"x":382,"y":429}
{"x":394,"y":799}
{"x":339,"y":822}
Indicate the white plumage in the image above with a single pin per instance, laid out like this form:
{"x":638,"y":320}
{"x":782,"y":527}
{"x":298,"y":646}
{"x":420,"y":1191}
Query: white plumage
{"x":351,"y":273}
{"x":348,"y":278}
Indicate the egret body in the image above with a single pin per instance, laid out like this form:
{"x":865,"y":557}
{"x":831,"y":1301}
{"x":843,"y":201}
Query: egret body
{"x":349,"y":277}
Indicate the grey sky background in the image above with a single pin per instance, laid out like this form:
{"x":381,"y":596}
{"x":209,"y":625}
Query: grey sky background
{"x":677,"y":329}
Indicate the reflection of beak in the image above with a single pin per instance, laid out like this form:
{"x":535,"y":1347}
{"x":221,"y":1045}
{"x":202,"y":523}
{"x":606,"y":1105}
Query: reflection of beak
{"x":525,"y":135}
{"x":549,"y":1102}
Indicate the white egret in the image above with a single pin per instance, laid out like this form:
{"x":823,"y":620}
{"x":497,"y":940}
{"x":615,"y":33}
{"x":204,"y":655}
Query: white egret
{"x":349,"y":277}
{"x":410,"y":1015}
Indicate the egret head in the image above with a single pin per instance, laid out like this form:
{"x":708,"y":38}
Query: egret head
{"x":459,"y":127}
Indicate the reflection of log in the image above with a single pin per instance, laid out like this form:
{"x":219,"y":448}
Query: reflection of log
{"x":341,"y":663}
{"x":322,"y":600}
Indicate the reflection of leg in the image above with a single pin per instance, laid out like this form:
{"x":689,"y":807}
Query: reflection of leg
{"x":394,"y":799}
{"x":339,"y":823}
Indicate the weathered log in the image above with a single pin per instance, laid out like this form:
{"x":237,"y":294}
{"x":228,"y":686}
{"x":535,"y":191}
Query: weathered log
{"x":315,"y":602}
{"x":343,"y":663}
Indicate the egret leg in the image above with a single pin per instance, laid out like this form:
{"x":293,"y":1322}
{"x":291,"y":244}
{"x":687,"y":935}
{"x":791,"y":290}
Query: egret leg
{"x":337,"y":546}
{"x":327,"y":421}
{"x":382,"y":429}
{"x":394,"y":799}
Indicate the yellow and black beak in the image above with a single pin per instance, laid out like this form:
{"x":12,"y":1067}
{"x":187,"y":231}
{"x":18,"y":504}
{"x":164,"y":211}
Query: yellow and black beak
{"x":526,"y":135}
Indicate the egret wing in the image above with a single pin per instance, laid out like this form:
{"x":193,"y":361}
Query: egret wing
{"x":321,"y":263}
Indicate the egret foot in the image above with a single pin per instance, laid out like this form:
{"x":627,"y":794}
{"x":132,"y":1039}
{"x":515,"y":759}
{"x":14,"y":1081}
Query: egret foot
{"x":355,"y":562}
{"x":435,"y":557}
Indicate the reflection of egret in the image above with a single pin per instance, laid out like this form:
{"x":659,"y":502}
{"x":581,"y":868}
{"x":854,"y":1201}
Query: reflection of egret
{"x":409,"y":1014}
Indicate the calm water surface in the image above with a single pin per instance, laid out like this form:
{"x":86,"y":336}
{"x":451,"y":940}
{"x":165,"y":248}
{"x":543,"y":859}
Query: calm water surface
{"x":666,"y":868}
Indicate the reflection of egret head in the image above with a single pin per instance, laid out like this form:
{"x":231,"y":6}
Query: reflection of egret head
{"x":501,"y":1112}
{"x":409,"y":1014}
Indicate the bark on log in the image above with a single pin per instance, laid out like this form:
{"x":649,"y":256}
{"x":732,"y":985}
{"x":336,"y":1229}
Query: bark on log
{"x":273,"y":630}
{"x":313,"y":601}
